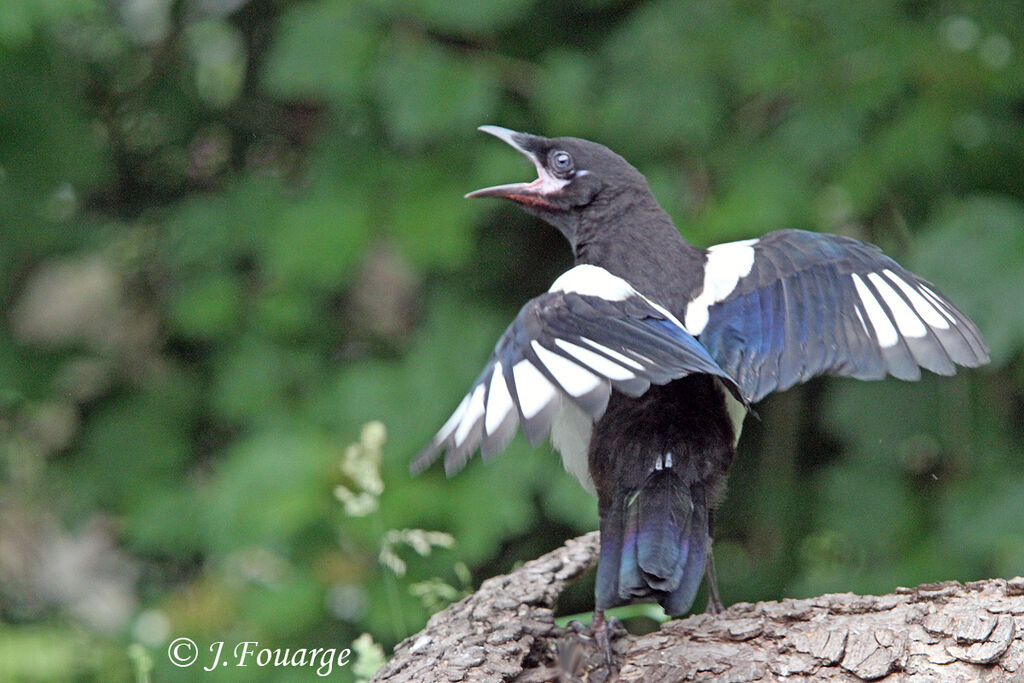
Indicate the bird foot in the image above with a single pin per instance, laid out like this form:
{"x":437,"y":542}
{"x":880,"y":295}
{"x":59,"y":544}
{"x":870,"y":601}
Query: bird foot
{"x":715,"y":605}
{"x":602,"y":631}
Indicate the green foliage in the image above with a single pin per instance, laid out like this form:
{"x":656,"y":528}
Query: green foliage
{"x":232,"y":234}
{"x":19,"y":20}
{"x":987,"y":235}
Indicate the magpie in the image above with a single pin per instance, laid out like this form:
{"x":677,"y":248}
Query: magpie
{"x":641,"y":361}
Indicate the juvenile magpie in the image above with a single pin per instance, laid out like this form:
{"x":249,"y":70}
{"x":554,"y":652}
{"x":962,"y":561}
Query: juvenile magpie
{"x":641,"y":360}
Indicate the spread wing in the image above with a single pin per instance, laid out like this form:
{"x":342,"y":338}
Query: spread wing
{"x":591,"y":333}
{"x":777,"y":311}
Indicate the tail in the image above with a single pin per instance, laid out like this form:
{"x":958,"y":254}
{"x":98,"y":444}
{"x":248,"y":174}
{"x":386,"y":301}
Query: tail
{"x":654,"y":543}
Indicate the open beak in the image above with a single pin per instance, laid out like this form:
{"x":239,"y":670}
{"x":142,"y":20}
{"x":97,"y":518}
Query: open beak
{"x":534,"y":193}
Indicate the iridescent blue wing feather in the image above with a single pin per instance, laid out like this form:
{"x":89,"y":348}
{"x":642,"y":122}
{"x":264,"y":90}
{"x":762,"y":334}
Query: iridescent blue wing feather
{"x":777,"y":311}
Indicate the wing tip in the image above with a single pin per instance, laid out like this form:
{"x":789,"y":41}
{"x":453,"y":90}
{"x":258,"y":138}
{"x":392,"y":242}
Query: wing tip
{"x":424,"y":459}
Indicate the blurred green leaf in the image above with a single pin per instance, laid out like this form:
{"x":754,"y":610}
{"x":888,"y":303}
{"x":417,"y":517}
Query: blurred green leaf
{"x":419,"y":84}
{"x":208,"y":307}
{"x":20,"y":20}
{"x":324,"y":49}
{"x":429,"y":216}
{"x":315,"y":241}
{"x":219,"y":58}
{"x":270,"y":488}
{"x":979,"y":521}
{"x":134,"y":445}
{"x":985,"y":237}
{"x":677,"y":101}
{"x":258,"y":378}
{"x":58,"y":653}
{"x":463,"y":16}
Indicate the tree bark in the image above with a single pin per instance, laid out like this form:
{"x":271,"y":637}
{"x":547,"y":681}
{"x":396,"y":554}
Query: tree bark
{"x":936,"y":632}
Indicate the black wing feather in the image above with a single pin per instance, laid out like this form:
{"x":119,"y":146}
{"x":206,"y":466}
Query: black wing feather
{"x":567,"y":346}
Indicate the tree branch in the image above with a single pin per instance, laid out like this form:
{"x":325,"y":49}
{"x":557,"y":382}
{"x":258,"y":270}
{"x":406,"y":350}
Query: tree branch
{"x":505,"y":632}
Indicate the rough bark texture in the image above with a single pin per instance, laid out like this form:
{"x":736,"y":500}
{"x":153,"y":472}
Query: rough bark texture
{"x":937,"y":632}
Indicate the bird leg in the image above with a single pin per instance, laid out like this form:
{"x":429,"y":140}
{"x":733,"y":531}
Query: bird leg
{"x":602,"y":630}
{"x":602,"y":635}
{"x":715,"y":605}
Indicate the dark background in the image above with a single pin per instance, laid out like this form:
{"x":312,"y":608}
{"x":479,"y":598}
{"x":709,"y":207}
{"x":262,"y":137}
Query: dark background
{"x":232,"y":233}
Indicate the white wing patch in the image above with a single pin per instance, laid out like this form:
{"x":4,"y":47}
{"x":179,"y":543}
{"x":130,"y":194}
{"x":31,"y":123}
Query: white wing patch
{"x":455,"y":420}
{"x":907,"y":320}
{"x":726,"y":265}
{"x":912,"y":319}
{"x":912,"y":311}
{"x":573,"y":378}
{"x":570,"y":435}
{"x":932,"y":297}
{"x":596,"y":361}
{"x":474,"y":411}
{"x":863,"y":324}
{"x":593,"y":281}
{"x":621,"y":358}
{"x":920,"y":304}
{"x":499,"y":401}
{"x":535,"y":392}
{"x":885,"y":333}
{"x":590,"y":280}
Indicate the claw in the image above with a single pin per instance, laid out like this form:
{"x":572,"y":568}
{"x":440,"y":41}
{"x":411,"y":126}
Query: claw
{"x":604,"y":630}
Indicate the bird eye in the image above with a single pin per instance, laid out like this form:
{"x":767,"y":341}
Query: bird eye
{"x":561,"y":163}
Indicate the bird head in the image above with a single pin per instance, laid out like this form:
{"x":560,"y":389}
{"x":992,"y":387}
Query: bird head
{"x":574,"y":178}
